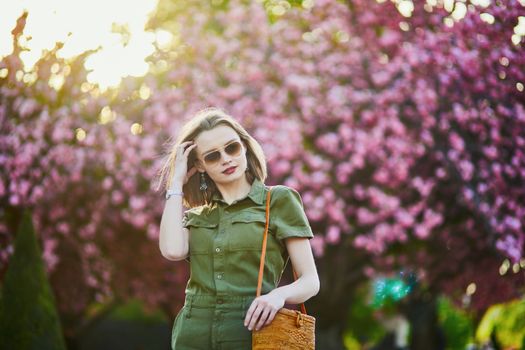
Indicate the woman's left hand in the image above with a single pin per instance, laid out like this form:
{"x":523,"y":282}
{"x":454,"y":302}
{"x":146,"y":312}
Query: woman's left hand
{"x":263,"y":310}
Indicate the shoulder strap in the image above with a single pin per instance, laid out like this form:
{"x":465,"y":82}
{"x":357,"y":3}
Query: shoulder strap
{"x":263,"y":252}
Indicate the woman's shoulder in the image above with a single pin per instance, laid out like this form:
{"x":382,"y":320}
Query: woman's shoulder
{"x":283,"y":190}
{"x":285,"y":194}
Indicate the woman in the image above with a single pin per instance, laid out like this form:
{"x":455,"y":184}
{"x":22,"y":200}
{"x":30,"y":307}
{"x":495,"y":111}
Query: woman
{"x":217,"y":170}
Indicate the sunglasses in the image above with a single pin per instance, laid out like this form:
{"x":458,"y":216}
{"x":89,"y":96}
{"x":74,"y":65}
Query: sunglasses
{"x":232,"y":149}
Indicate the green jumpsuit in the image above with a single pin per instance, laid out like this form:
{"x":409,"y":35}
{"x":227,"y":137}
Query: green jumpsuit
{"x":225,"y":247}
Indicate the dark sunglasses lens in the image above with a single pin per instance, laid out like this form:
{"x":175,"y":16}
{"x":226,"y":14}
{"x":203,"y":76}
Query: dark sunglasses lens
{"x":233,"y":148}
{"x":212,"y":157}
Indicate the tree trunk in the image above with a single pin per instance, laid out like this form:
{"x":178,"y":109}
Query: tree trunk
{"x":425,"y":332}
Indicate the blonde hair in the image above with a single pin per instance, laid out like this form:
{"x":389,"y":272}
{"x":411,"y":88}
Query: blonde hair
{"x":205,"y":120}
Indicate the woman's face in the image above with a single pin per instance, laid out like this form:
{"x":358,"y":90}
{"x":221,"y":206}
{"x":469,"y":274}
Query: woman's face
{"x":221,"y":154}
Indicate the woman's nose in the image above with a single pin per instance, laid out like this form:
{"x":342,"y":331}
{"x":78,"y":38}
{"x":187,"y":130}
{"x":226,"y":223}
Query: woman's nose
{"x":225,"y":156}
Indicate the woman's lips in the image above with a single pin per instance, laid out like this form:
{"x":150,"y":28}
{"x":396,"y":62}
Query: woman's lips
{"x":229,"y":170}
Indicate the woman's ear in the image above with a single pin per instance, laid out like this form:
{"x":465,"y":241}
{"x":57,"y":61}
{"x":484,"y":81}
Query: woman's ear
{"x":199,"y":167}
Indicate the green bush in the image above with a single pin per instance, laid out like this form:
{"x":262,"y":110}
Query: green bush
{"x":133,"y":310}
{"x":456,"y":323}
{"x":363,"y":328}
{"x":28,"y":317}
{"x":507,"y":321}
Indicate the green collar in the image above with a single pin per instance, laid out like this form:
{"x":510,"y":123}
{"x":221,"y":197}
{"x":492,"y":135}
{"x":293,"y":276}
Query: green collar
{"x":257,"y":193}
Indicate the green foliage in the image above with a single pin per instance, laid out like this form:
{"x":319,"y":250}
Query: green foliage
{"x":507,"y":321}
{"x":134,"y":311}
{"x":362,"y":325}
{"x":350,"y":342}
{"x":28,"y":319}
{"x":456,"y":323}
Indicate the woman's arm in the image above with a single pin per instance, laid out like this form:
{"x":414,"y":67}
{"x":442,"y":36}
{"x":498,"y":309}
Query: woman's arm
{"x":263,"y":309}
{"x":173,"y":237}
{"x":307,"y":283}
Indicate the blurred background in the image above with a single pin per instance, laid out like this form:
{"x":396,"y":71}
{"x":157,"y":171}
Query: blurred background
{"x":401,"y":123}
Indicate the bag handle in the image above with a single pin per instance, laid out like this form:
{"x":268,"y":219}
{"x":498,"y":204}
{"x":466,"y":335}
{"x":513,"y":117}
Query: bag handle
{"x":263,"y":252}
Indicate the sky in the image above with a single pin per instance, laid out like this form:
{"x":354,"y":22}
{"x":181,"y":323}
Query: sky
{"x":90,"y":26}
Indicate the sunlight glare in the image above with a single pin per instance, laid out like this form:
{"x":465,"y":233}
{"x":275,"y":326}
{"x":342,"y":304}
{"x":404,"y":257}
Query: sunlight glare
{"x":84,"y":26}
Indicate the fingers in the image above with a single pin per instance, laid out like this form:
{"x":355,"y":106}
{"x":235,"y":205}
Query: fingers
{"x":258,"y":315}
{"x":183,"y":146}
{"x":251,"y":315}
{"x":271,"y":317}
{"x":189,"y":149}
{"x":262,"y":320}
{"x":255,"y":316}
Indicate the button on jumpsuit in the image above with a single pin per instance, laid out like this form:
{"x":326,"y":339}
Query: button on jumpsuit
{"x":225,"y":247}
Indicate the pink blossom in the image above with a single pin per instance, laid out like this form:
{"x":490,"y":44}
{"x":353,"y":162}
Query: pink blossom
{"x":317,"y":245}
{"x":333,"y":235}
{"x":421,"y":231}
{"x":117,"y":197}
{"x":63,"y":227}
{"x":432,"y":218}
{"x":90,"y":249}
{"x":48,"y":253}
{"x":139,"y":220}
{"x":27,"y":107}
{"x":512,"y":222}
{"x":365,"y":216}
{"x":404,"y":218}
{"x":466,"y":169}
{"x":14,"y":199}
{"x":456,"y":142}
{"x":137,"y":203}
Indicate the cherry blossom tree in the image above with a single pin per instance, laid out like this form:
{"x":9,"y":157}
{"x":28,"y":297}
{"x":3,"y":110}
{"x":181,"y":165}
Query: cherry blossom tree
{"x":84,"y":171}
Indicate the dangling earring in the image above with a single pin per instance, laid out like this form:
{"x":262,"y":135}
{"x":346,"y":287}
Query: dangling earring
{"x":204,"y":185}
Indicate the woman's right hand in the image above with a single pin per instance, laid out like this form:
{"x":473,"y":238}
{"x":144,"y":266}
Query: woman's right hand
{"x":181,"y":175}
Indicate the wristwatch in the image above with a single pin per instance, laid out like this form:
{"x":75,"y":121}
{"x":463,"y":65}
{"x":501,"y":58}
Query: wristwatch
{"x":170,"y":193}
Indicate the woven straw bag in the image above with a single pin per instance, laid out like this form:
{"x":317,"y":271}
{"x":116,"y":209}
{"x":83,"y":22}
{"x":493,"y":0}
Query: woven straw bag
{"x":290,"y":329}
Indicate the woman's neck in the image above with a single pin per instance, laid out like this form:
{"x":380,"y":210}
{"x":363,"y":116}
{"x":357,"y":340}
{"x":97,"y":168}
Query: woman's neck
{"x":234,"y":190}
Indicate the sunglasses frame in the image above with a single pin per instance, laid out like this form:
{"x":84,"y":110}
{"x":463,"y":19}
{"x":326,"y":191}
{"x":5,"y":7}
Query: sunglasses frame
{"x":221,"y":150}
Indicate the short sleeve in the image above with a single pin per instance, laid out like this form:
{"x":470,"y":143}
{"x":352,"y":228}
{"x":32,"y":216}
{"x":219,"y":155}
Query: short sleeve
{"x":288,"y":215}
{"x":185,"y":219}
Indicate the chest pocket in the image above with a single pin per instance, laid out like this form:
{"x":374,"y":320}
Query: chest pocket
{"x":247,"y":231}
{"x":201,"y":234}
